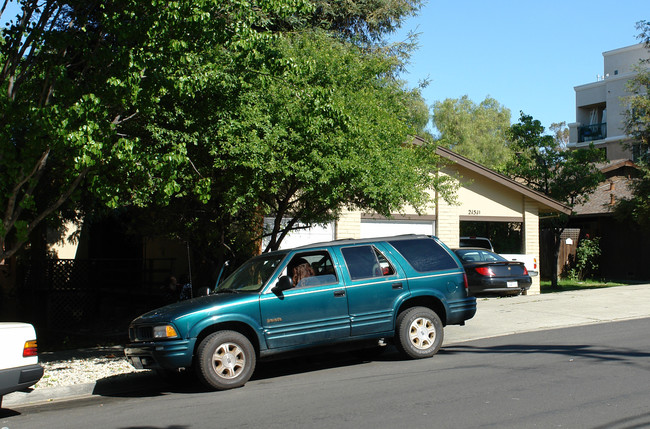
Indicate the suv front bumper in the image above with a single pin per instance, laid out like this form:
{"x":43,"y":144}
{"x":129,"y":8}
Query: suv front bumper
{"x":161,"y":354}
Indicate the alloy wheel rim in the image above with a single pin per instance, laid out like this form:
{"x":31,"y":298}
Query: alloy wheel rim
{"x":228,"y":360}
{"x":422,"y":333}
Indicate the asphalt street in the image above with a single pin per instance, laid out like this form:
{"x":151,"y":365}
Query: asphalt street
{"x":591,"y":376}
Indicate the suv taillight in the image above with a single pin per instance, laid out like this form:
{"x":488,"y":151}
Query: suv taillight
{"x":466,"y":283}
{"x":30,"y":349}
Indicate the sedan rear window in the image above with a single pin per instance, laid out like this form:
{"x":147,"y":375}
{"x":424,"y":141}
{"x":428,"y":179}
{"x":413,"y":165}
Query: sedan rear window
{"x":478,"y":255}
{"x":424,"y":255}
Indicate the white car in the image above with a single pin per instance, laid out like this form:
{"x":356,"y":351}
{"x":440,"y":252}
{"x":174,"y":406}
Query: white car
{"x":19,"y":367}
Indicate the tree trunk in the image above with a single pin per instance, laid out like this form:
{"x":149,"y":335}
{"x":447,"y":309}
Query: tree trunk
{"x":557,"y":233}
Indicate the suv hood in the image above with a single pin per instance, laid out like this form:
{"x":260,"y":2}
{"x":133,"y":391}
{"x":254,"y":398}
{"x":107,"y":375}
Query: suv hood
{"x":210,"y":303}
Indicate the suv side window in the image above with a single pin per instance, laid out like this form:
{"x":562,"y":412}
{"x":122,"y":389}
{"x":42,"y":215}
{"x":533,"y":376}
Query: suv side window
{"x":311,"y":269}
{"x":362,"y":262}
{"x":424,"y":254}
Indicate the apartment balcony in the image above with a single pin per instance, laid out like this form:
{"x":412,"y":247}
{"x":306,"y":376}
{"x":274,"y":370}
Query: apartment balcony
{"x":587,"y":133}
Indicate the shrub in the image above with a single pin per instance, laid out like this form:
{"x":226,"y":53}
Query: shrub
{"x":587,"y":255}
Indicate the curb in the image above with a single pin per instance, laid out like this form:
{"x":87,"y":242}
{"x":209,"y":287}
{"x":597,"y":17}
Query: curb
{"x":117,"y":385}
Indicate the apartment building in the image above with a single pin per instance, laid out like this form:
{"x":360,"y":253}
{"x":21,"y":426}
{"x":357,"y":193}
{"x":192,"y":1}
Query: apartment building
{"x":600,"y":105}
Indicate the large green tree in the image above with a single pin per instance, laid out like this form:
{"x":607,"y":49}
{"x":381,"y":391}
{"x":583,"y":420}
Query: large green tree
{"x":248,"y":108}
{"x":322,"y":126}
{"x":542,"y":164}
{"x":78,"y":77}
{"x":476,"y":131}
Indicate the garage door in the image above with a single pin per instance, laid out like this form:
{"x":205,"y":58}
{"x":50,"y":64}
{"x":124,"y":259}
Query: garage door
{"x":383,"y":228}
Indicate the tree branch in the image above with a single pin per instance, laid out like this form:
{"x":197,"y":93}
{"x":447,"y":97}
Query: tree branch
{"x":11,"y":214}
{"x":4,"y":253}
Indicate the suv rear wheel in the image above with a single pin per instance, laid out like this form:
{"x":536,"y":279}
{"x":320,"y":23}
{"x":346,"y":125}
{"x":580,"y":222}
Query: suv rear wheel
{"x":419,"y":332}
{"x":226,"y":359}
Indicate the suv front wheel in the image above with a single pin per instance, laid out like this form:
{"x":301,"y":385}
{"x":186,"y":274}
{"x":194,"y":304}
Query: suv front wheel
{"x":226,"y":359}
{"x":419,"y":332}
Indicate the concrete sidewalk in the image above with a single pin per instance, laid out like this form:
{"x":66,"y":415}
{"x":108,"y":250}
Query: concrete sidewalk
{"x":512,"y":315}
{"x":494,"y":317}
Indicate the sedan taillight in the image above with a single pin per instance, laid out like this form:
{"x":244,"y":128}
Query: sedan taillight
{"x":525,"y":271}
{"x":30,"y":349}
{"x":485,"y":271}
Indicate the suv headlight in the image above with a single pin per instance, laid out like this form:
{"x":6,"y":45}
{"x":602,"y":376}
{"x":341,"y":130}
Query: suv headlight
{"x":164,"y":331}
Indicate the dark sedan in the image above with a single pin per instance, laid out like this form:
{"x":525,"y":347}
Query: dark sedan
{"x":489,"y":273}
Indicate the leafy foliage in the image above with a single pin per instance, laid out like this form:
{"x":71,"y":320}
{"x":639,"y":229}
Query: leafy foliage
{"x":541,"y":164}
{"x":560,"y":133}
{"x":637,"y":116}
{"x":587,"y":254}
{"x":476,"y":131}
{"x":227,"y":109}
{"x":80,"y":79}
{"x":318,"y":128}
{"x":637,"y":208}
{"x":362,"y":20}
{"x":637,"y":126}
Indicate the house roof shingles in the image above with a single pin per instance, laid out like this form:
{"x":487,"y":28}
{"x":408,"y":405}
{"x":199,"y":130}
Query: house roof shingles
{"x":617,"y":187}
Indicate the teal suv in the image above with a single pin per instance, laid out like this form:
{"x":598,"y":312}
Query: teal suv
{"x":402,"y":289}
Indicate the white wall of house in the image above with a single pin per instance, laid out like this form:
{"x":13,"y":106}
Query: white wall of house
{"x":300,"y":237}
{"x":382,"y":227}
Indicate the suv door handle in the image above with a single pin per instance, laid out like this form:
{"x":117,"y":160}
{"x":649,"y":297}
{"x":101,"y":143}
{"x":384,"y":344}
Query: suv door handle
{"x":338,"y":293}
{"x":397,"y":285}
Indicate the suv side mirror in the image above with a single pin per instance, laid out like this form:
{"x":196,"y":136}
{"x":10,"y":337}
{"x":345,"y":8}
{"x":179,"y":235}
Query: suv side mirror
{"x":284,"y":283}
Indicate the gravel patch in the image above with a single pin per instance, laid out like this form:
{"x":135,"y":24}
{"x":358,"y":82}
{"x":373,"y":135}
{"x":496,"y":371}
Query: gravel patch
{"x":82,"y":366}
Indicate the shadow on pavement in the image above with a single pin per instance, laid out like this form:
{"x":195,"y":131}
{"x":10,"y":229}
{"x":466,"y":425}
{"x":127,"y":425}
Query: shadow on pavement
{"x":573,"y":350}
{"x":8,"y":412}
{"x":151,"y":384}
{"x":640,"y":421}
{"x":156,"y":427}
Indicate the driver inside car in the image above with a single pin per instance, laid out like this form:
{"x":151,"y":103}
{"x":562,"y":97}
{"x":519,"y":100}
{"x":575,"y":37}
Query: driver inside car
{"x":300,"y":269}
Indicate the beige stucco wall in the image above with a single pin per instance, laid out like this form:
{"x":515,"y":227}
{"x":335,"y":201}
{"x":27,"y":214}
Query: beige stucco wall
{"x":65,"y":249}
{"x":531,"y":238}
{"x":447,"y":221}
{"x":479,"y":198}
{"x":348,"y":225}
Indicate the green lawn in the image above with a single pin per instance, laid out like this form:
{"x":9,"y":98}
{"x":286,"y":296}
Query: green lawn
{"x":565,"y":285}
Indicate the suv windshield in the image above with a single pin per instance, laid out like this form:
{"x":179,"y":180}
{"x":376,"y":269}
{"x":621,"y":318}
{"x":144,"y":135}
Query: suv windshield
{"x":253,"y":275}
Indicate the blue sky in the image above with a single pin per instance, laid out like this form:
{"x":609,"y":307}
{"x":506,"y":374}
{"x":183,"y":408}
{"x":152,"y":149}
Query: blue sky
{"x":528,"y":55}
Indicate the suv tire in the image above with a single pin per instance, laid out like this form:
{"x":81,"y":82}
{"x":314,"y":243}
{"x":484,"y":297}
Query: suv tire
{"x":419,"y":332}
{"x":226,"y":359}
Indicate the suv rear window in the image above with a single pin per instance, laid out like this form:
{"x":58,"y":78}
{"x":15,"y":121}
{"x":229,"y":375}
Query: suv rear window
{"x":424,"y":254}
